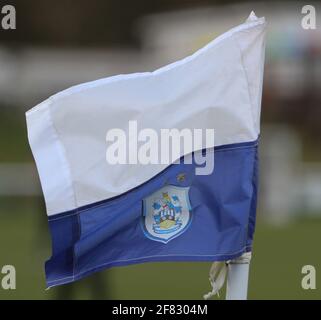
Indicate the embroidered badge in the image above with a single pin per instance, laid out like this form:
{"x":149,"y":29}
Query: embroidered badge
{"x":166,"y":213}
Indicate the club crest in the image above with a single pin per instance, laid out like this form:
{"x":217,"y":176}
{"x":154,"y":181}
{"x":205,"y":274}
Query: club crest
{"x":166,"y":213}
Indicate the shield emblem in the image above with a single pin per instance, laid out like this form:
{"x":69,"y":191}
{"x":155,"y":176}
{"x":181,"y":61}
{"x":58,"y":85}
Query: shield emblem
{"x":166,"y":213}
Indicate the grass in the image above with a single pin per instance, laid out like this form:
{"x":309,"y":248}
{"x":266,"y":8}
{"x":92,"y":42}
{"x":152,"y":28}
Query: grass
{"x":279,"y":254}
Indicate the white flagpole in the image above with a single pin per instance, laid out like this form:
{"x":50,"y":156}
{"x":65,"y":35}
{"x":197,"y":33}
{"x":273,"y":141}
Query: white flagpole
{"x":237,"y":277}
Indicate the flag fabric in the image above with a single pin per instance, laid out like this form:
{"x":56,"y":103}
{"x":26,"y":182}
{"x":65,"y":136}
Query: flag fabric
{"x":103,"y":215}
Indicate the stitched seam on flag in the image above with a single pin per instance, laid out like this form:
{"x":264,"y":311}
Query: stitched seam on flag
{"x":146,"y":257}
{"x":59,"y":141}
{"x":160,"y":175}
{"x":61,"y":279}
{"x":241,"y":147}
{"x":74,"y":265}
{"x":246,"y":79}
{"x":250,"y":209}
{"x":254,"y":194}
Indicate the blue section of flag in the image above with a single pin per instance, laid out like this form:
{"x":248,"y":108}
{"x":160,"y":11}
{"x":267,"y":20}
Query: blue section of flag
{"x":109,"y":233}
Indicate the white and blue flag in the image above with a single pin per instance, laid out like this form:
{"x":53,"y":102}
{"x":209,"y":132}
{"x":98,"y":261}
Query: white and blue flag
{"x":104,"y":214}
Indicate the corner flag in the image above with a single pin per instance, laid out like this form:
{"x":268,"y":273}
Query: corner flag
{"x":103,"y":215}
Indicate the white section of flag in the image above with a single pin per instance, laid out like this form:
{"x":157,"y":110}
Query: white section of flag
{"x":218,"y":87}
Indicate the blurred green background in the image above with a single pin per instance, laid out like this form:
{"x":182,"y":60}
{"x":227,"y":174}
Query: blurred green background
{"x":57,"y":46}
